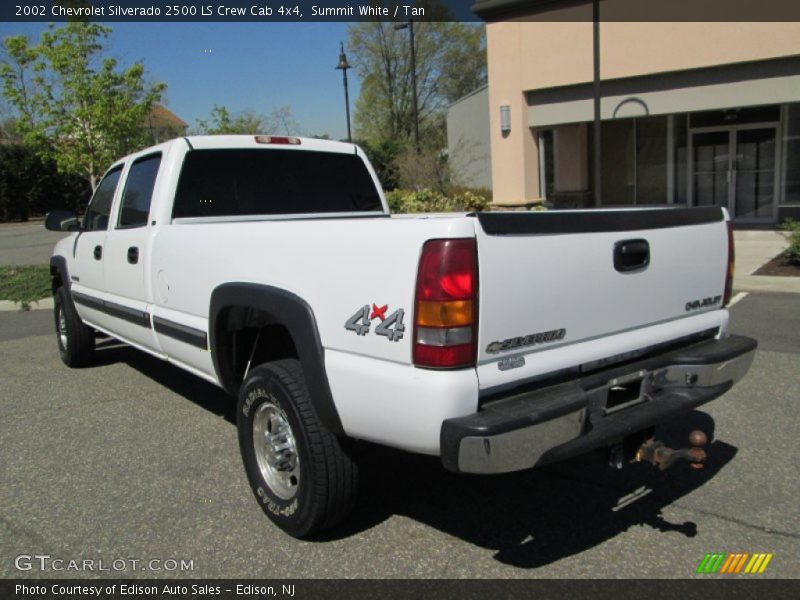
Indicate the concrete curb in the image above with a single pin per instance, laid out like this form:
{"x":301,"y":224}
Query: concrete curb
{"x":765,"y":283}
{"x":43,"y":304}
{"x":754,"y":249}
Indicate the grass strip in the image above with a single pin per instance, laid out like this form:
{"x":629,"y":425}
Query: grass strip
{"x":24,"y":284}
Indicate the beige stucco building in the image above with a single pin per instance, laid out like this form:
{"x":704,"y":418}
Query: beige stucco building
{"x":692,"y":113}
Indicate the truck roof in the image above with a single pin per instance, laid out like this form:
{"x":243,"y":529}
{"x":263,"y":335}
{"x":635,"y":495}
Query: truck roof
{"x":266,"y":141}
{"x":260,"y":141}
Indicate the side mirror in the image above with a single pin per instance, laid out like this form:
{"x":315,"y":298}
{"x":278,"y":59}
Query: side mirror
{"x":62,"y":220}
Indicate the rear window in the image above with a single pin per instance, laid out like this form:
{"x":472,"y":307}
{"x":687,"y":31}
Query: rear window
{"x":139,"y":191}
{"x":216,"y":183}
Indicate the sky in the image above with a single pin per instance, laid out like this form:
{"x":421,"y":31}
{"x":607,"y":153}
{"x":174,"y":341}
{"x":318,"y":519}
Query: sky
{"x":243,"y":66}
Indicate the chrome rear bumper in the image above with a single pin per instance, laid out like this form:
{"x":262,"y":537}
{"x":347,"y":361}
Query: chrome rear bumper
{"x":554,"y":423}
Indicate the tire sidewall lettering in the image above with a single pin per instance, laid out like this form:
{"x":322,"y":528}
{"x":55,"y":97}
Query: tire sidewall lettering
{"x":255,"y":395}
{"x":273,"y":507}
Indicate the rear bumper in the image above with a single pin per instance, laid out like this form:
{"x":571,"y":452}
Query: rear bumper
{"x":557,"y":422}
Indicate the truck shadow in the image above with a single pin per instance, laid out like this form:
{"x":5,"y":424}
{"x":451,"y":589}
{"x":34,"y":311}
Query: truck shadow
{"x":200,"y":392}
{"x":537,"y":517}
{"x":529,"y":519}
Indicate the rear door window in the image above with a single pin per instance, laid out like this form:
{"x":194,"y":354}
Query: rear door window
{"x":216,"y":183}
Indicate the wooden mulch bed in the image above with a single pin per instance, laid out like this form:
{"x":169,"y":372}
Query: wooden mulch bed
{"x":780,"y":266}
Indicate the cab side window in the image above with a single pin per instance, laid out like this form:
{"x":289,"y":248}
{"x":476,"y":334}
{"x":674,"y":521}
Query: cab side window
{"x":100,"y":207}
{"x":138,"y":193}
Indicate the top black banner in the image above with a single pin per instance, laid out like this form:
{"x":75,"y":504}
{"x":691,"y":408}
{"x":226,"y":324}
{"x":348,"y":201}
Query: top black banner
{"x":277,"y":11}
{"x":273,"y":11}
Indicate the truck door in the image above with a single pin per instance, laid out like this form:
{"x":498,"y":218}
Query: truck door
{"x":128,"y":246}
{"x":86,"y":268}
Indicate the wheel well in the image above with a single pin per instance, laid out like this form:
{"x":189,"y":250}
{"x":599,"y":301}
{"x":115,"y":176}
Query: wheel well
{"x":246,"y":335}
{"x":55,"y":279}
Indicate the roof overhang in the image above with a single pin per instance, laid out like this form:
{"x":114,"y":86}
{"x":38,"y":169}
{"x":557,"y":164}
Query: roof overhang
{"x":730,"y":86}
{"x":490,"y":10}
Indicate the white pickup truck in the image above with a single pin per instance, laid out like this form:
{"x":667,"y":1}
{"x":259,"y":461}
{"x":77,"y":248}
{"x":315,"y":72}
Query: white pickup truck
{"x":271,"y":267}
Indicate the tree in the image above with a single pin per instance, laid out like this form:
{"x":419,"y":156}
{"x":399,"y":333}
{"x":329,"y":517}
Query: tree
{"x":29,"y":185}
{"x":280,"y":120}
{"x":8,"y":131}
{"x":450,"y":62}
{"x":74,"y":107}
{"x":383,"y":157}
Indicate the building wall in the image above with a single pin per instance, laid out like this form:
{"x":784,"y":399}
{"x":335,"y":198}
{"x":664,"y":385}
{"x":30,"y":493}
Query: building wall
{"x":528,"y":57}
{"x":514,"y":150}
{"x":468,"y":143}
{"x":559,"y":54}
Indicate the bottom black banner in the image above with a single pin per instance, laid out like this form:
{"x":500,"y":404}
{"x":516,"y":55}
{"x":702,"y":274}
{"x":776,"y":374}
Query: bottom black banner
{"x":334,"y":589}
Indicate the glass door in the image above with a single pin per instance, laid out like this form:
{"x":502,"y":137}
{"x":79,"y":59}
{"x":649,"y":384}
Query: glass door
{"x":735,"y":167}
{"x":711,"y":168}
{"x":754,"y":174}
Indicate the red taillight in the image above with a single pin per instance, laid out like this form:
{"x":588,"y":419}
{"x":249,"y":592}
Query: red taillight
{"x":446,"y":306}
{"x":731,"y":263}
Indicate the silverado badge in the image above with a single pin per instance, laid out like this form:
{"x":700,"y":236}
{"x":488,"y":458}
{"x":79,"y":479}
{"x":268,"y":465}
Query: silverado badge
{"x":533,"y":339}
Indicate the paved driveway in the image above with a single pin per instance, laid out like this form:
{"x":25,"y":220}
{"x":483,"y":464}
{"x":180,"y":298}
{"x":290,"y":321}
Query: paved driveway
{"x":27,"y":243}
{"x":133,"y":459}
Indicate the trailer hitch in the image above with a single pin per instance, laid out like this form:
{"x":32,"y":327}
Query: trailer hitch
{"x":658,"y":454}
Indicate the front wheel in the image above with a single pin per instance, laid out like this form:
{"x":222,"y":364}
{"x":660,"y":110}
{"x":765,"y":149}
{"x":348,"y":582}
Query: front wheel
{"x":75,"y":340}
{"x":301,"y":474}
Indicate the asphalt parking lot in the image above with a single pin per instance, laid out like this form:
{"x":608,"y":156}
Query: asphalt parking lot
{"x":133,"y":459}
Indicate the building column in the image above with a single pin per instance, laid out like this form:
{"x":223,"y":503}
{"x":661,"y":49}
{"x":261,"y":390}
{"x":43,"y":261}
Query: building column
{"x":515,"y":153}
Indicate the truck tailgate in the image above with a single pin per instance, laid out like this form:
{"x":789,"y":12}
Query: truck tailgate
{"x":562,"y":278}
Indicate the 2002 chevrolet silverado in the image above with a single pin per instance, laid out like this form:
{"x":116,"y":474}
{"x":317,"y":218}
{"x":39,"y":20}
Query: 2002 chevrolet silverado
{"x":271,"y":267}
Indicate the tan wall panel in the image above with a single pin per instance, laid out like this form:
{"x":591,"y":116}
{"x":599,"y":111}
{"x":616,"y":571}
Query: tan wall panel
{"x":515,"y":157}
{"x":630,"y":49}
{"x":557,"y":54}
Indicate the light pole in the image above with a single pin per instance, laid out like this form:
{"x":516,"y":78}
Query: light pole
{"x":344,"y":65}
{"x":598,"y":146}
{"x":410,"y":27}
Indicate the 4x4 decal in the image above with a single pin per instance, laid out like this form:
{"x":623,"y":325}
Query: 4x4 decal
{"x":391,"y":327}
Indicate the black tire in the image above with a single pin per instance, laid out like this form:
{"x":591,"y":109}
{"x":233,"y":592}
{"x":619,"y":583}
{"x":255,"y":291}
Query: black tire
{"x":75,"y":340}
{"x":313,"y":487}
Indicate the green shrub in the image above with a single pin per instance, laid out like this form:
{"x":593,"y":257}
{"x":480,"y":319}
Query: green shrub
{"x":429,"y":201}
{"x":472,"y":201}
{"x":793,"y":229}
{"x":483,"y":192}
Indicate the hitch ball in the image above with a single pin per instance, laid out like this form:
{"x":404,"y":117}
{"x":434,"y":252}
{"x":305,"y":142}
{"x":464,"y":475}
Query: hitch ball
{"x":698,"y":438}
{"x":659,"y":455}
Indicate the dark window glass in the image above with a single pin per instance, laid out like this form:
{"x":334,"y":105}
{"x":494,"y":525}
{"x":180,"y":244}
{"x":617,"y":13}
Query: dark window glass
{"x":681,"y":182}
{"x":735,"y":116}
{"x":792,"y":156}
{"x":217,"y":183}
{"x":100,"y":207}
{"x":618,"y":157}
{"x":139,"y":191}
{"x":651,"y":160}
{"x":549,"y":163}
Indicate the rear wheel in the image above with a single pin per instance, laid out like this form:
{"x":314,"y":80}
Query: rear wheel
{"x":75,"y":340}
{"x":301,"y":474}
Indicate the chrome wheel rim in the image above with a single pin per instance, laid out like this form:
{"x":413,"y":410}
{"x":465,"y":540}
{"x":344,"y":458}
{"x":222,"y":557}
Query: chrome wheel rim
{"x":276,"y":450}
{"x":62,"y":328}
